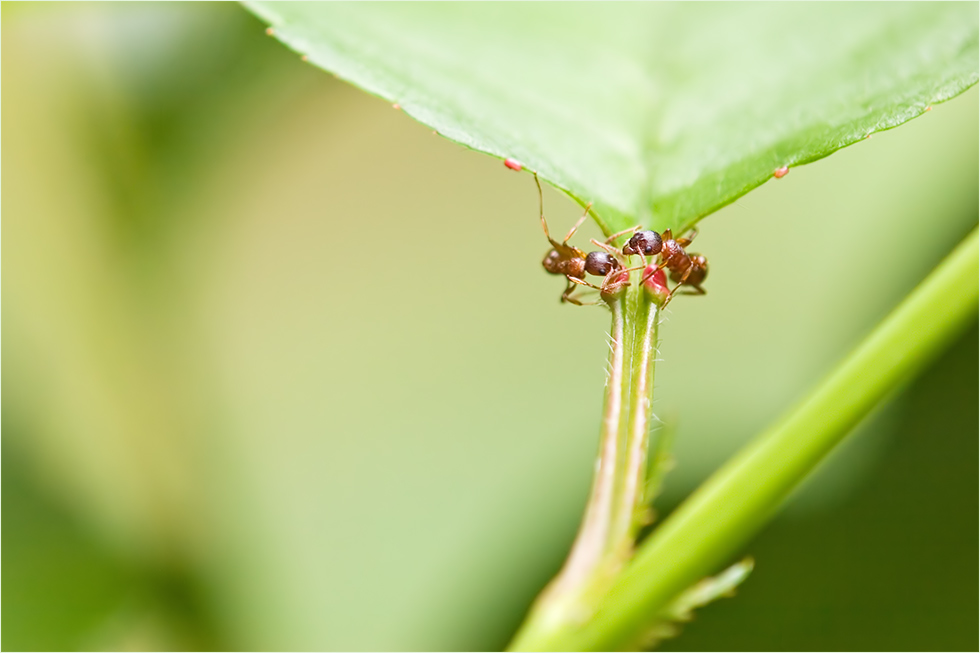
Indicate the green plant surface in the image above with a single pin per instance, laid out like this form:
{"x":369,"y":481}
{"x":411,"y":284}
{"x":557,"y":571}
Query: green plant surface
{"x":717,"y":520}
{"x":659,"y":113}
{"x":617,"y":505}
{"x":202,"y":258}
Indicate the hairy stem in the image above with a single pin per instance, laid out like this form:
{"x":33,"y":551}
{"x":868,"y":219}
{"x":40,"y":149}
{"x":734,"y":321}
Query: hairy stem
{"x":717,"y":520}
{"x":630,"y":497}
{"x":570,"y":597}
{"x":590,"y":544}
{"x":605,"y":538}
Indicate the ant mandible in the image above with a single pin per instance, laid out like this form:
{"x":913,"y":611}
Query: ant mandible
{"x":572,"y":262}
{"x":685,"y":269}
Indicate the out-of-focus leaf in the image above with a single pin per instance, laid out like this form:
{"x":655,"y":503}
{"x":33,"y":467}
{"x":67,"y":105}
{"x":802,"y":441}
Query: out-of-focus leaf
{"x":660,"y":113}
{"x":708,"y":590}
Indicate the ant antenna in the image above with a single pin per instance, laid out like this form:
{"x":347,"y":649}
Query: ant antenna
{"x":571,"y":232}
{"x":544,"y":224}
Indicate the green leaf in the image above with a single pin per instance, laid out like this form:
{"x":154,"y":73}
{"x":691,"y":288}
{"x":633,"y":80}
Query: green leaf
{"x":660,"y":113}
{"x":699,"y":595}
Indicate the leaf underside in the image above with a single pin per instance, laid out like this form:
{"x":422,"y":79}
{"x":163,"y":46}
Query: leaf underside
{"x":659,"y":113}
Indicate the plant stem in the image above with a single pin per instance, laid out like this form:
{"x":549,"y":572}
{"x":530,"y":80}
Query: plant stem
{"x":717,"y":520}
{"x":605,"y":538}
{"x":590,"y":544}
{"x":565,"y":599}
{"x":630,"y":497}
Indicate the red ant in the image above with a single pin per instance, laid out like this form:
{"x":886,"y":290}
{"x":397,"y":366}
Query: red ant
{"x":572,"y":262}
{"x":685,"y":269}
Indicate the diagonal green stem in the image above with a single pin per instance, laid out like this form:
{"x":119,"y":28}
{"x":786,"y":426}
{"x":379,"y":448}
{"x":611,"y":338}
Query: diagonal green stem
{"x":717,"y":520}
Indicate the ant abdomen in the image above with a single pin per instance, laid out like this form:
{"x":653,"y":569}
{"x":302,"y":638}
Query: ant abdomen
{"x":644,"y":243}
{"x":555,"y":263}
{"x":552,"y":261}
{"x":698,"y":273}
{"x":600,"y":264}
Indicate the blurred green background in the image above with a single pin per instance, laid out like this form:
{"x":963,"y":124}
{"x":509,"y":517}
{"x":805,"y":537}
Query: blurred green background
{"x":282,"y":370}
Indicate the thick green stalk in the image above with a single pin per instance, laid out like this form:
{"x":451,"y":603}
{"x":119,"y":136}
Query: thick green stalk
{"x":717,"y":520}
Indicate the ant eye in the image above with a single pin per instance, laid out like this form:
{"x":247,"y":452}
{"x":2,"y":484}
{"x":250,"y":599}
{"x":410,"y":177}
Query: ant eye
{"x":600,"y":264}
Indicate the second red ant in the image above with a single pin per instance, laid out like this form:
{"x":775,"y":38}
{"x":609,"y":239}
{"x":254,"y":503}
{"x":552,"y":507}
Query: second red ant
{"x":686,"y":269}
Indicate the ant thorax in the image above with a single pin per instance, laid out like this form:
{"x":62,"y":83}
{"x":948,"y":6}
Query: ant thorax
{"x":672,"y":251}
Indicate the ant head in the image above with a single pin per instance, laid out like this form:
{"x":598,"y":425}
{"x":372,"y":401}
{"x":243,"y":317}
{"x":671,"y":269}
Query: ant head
{"x":645,"y":243}
{"x":600,"y":264}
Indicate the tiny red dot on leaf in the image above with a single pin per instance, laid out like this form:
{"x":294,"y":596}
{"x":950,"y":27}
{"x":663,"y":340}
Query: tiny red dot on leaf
{"x":304,"y":58}
{"x":513,"y":164}
{"x":781,"y":172}
{"x":929,"y":108}
{"x":269,"y":31}
{"x":396,"y":106}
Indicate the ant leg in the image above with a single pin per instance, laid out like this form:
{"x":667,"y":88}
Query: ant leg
{"x":622,"y":233}
{"x":567,"y":297}
{"x":689,"y":238}
{"x":634,"y":269}
{"x":544,"y":223}
{"x":611,"y":280}
{"x":619,"y":255}
{"x":583,"y":282}
{"x":577,"y":302}
{"x":571,"y":232}
{"x":696,"y":290}
{"x":608,"y":248}
{"x":680,"y":283}
{"x":649,"y":275}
